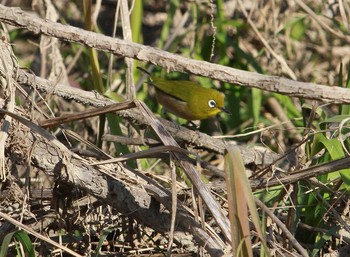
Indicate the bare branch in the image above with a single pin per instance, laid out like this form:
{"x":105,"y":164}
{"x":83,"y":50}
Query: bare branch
{"x":172,"y":62}
{"x":255,"y":155}
{"x":105,"y":183}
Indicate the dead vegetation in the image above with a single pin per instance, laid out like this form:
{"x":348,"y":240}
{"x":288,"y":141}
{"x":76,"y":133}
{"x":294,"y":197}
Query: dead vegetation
{"x":84,"y":175}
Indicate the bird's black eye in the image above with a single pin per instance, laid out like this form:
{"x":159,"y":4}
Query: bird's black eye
{"x":211,"y":103}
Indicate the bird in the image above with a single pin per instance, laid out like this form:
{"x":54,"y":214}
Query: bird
{"x":187,"y":99}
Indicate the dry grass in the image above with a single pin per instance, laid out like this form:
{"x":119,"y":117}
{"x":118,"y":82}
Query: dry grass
{"x":106,"y":183}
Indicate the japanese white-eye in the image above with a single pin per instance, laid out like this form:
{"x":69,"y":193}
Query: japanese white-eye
{"x":187,"y":99}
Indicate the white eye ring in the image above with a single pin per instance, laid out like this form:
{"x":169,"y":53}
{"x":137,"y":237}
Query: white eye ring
{"x":211,"y":103}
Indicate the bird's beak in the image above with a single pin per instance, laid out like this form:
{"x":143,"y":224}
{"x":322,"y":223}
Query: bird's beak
{"x":225,"y":110}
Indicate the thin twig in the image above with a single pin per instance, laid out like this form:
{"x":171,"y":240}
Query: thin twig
{"x":40,"y":236}
{"x":284,"y":229}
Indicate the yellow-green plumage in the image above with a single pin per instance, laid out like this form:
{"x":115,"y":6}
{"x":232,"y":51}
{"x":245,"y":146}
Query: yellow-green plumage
{"x":187,"y":99}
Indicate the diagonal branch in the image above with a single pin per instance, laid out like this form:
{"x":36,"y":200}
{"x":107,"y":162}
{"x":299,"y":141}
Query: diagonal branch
{"x":173,"y":62}
{"x":107,"y":183}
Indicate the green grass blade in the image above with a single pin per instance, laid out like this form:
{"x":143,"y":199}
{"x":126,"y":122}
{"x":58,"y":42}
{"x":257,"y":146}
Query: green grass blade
{"x":5,"y":244}
{"x":23,"y":238}
{"x":240,"y":197}
{"x":174,"y":4}
{"x":136,"y":22}
{"x":238,"y":211}
{"x":27,"y":244}
{"x":103,"y":237}
{"x":335,"y":150}
{"x":344,"y":108}
{"x":323,"y":239}
{"x":93,"y":55}
{"x":256,"y":98}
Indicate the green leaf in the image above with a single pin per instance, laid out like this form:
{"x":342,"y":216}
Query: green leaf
{"x":335,"y":119}
{"x":114,"y":126}
{"x":298,"y":30}
{"x":297,"y":26}
{"x":323,"y":239}
{"x":287,"y":103}
{"x":335,"y":151}
{"x":103,"y":237}
{"x":27,"y":244}
{"x":23,"y":238}
{"x":114,"y":122}
{"x":269,"y":195}
{"x":5,"y":244}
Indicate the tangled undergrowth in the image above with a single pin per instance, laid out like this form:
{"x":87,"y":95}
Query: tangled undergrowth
{"x":103,"y":182}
